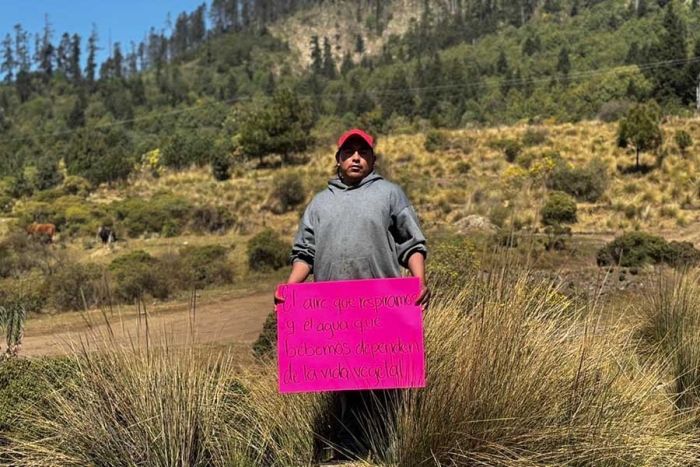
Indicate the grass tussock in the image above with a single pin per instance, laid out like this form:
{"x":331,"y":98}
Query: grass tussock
{"x":669,"y":328}
{"x":518,"y":375}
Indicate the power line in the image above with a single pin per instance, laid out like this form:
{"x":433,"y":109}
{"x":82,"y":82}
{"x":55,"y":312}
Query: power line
{"x":387,"y":92}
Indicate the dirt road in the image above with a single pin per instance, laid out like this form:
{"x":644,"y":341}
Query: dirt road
{"x":225,"y":320}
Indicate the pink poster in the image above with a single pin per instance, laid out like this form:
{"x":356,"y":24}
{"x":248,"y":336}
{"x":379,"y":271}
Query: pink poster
{"x":361,"y":334}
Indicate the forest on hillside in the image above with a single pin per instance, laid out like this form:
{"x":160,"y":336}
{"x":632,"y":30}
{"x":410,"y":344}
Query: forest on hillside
{"x":215,"y":87}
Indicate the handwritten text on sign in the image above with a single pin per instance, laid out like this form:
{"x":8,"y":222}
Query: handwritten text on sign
{"x":363,"y":334}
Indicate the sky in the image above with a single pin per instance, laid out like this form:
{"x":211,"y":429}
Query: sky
{"x":123,"y":20}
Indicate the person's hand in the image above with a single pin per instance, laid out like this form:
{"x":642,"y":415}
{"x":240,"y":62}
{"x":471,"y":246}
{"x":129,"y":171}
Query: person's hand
{"x":278,"y":298}
{"x":424,"y":297}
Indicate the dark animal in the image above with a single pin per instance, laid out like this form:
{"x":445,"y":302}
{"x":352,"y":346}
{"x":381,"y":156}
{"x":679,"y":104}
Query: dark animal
{"x":46,"y":231}
{"x":106,"y":234}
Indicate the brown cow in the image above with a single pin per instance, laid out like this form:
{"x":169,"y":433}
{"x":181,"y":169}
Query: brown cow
{"x":42,"y":230}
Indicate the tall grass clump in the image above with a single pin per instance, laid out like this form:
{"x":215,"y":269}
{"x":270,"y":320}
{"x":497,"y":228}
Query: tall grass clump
{"x":518,"y":376}
{"x":669,"y":327}
{"x":131,"y":407}
{"x":162,"y":406}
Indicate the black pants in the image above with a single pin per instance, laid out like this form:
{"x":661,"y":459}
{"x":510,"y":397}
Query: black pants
{"x":361,"y":422}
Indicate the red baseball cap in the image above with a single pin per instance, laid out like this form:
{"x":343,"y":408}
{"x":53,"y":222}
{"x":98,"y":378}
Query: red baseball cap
{"x":355,"y":132}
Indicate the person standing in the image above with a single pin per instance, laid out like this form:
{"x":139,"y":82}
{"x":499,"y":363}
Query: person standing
{"x":361,"y":227}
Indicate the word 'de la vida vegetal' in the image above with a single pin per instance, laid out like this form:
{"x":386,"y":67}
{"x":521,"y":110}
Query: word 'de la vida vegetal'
{"x":365,"y":334}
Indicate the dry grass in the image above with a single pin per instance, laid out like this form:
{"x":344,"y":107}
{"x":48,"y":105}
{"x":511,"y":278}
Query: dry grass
{"x":410,"y":165}
{"x":517,"y":375}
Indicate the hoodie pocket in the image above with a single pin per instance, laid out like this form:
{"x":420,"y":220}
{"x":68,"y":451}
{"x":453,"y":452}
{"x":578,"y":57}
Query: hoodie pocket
{"x":352,"y":268}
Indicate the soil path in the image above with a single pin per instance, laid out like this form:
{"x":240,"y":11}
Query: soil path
{"x":230,"y":320}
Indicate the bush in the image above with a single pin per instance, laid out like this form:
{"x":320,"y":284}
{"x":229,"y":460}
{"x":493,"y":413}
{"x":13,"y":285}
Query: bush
{"x":136,"y":274}
{"x":265,"y":345}
{"x":288,"y":190}
{"x":435,"y":141}
{"x":681,"y":254}
{"x":267,"y":251}
{"x":613,"y":111}
{"x":206,"y":265}
{"x":187,"y":147}
{"x":463,"y":167}
{"x":510,"y":148}
{"x":221,"y":168}
{"x":212,"y":219}
{"x":636,"y":249}
{"x":559,"y":209}
{"x":78,"y":186}
{"x":151,"y":215}
{"x":683,"y":140}
{"x":451,"y":263}
{"x":47,"y":174}
{"x":74,"y":286}
{"x":533,"y":137}
{"x":29,"y":291}
{"x":586,"y":184}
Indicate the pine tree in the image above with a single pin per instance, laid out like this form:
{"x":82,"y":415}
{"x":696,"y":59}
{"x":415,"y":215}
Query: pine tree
{"x":8,"y":59}
{"x":531,"y":46}
{"x":118,"y":60}
{"x":397,"y":97}
{"x":246,"y":20}
{"x":47,"y":50}
{"x":564,"y":64}
{"x":198,"y":27}
{"x":347,"y":64}
{"x":359,"y":44}
{"x":671,"y":48}
{"x":92,"y":49}
{"x":74,"y":60}
{"x":502,"y":63}
{"x":22,"y":49}
{"x":632,"y":54}
{"x":63,"y":54}
{"x":329,"y":70}
{"x":217,"y":15}
{"x":316,"y":57}
{"x":180,"y":37}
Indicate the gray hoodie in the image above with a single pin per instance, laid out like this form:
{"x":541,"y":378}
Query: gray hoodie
{"x":364,"y":231}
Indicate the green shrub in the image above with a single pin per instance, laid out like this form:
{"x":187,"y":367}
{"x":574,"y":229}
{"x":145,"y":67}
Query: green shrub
{"x":451,"y":263}
{"x":635,"y":249}
{"x":463,"y":167}
{"x":586,"y":184}
{"x":47,"y":174}
{"x":533,"y":137}
{"x":29,"y":291}
{"x":267,"y":251}
{"x":187,"y":147}
{"x":206,"y":265}
{"x":435,"y":141}
{"x":212,"y":219}
{"x":221,"y":168}
{"x":75,"y":185}
{"x":7,"y":260}
{"x":510,"y":148}
{"x":288,"y":190}
{"x":683,"y":140}
{"x":681,"y":254}
{"x":74,"y":286}
{"x":136,"y":274}
{"x":265,"y":345}
{"x":559,"y":209}
{"x":151,"y":215}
